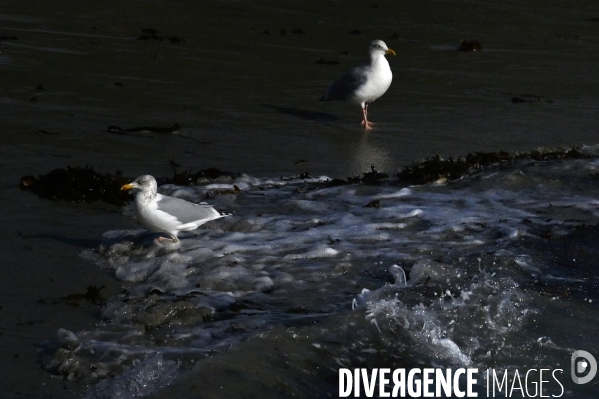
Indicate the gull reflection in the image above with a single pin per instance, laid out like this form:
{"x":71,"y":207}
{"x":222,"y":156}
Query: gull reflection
{"x":366,"y":152}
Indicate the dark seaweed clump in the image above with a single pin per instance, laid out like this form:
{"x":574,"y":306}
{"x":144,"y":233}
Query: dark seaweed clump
{"x":152,"y":34}
{"x":145,"y":129}
{"x":322,"y":61}
{"x":473,"y":46}
{"x":372,"y":178}
{"x":92,"y":295}
{"x":436,"y":168}
{"x":76,"y":184}
{"x":4,"y":38}
{"x":187,"y":178}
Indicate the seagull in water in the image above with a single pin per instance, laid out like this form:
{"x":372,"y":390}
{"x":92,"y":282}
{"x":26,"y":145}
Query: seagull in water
{"x":164,"y":214}
{"x":365,"y":83}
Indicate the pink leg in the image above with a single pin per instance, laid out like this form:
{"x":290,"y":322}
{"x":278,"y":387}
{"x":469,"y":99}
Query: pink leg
{"x":174,"y":239}
{"x":365,"y":123}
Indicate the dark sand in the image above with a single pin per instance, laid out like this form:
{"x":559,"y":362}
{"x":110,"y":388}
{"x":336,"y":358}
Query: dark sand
{"x":245,"y":95}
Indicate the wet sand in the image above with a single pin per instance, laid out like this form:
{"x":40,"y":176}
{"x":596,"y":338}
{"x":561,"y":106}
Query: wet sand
{"x":245,"y":95}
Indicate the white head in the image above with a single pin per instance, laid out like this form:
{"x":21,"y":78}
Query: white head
{"x":378,"y":47}
{"x":145,"y":184}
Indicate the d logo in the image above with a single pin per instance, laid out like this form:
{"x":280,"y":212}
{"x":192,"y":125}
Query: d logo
{"x":582,"y":362}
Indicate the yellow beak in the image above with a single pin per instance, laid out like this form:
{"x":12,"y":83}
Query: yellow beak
{"x":127,"y":187}
{"x":389,"y":51}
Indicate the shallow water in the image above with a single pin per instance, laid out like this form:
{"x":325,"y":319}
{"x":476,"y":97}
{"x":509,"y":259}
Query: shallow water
{"x":487,"y":279}
{"x":272,"y":287}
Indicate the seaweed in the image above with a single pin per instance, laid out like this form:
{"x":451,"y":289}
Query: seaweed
{"x":145,"y":129}
{"x":187,"y":178}
{"x":472,"y":46}
{"x":92,"y":295}
{"x":78,"y":184}
{"x":234,"y":191}
{"x":371,"y":178}
{"x":438,"y":169}
{"x":152,"y":34}
{"x":4,"y":38}
{"x":527,"y":98}
{"x":41,"y":131}
{"x":373,"y":204}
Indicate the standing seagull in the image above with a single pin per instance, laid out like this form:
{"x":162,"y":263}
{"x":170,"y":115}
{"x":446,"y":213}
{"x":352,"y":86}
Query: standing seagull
{"x":164,"y":214}
{"x":365,"y":83}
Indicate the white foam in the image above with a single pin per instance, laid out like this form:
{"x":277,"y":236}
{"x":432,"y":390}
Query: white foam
{"x":321,"y":251}
{"x":404,"y":192}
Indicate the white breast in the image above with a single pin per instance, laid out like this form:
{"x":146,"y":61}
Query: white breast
{"x":378,"y":82}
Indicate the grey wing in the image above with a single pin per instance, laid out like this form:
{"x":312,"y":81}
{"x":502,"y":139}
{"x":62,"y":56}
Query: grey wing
{"x":347,"y":84}
{"x":185,"y":211}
